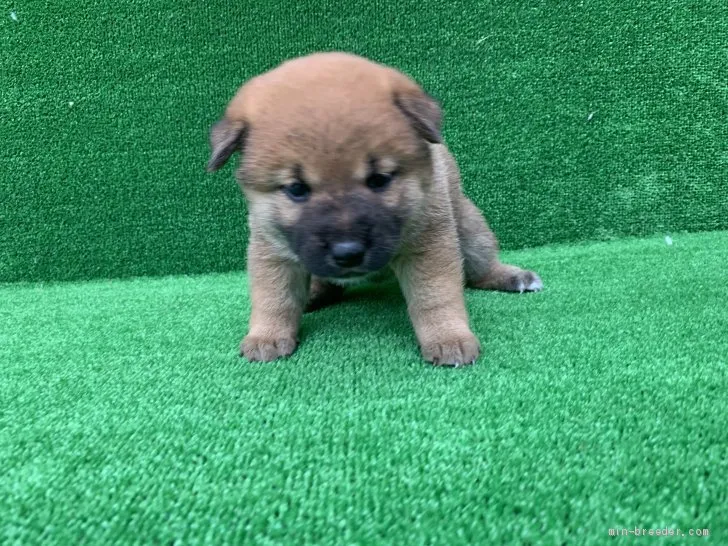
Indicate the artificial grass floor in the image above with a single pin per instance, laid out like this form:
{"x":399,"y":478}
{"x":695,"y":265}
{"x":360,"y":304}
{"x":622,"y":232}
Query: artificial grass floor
{"x":127,"y":416}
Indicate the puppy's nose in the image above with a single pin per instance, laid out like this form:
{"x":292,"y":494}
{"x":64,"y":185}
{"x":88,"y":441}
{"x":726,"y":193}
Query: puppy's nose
{"x":348,"y":253}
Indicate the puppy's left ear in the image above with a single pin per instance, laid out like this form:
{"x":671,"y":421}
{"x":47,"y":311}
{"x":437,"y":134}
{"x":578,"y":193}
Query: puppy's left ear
{"x":226,"y":137}
{"x":423,"y":113}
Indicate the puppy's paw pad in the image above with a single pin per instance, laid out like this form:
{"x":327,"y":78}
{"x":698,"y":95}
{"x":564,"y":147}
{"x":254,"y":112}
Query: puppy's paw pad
{"x":528,"y":281}
{"x":266,"y":349}
{"x":459,"y":351}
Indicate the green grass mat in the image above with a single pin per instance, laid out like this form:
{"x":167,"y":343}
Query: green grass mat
{"x":127,"y":417}
{"x":571,"y":120}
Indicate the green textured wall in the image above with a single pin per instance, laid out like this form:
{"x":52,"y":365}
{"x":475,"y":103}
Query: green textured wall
{"x":571,"y":121}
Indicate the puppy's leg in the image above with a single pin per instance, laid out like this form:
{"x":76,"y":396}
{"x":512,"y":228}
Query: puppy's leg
{"x":278,"y":290}
{"x":479,"y":249}
{"x":478,"y":245}
{"x":322,"y":294}
{"x":432,"y":283}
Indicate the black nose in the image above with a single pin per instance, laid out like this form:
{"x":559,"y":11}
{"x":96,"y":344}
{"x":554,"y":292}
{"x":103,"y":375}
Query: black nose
{"x":348,"y":253}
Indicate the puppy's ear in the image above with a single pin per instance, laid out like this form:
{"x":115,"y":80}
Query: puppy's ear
{"x":226,"y":137}
{"x":423,"y":113}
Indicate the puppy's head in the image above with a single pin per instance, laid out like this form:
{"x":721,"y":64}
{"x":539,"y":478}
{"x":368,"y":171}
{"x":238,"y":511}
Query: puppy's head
{"x":336,"y":159}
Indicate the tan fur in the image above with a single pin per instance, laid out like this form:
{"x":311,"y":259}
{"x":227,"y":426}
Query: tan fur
{"x":355,"y":110}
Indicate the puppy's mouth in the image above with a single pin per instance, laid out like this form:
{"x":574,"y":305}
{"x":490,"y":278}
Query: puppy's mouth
{"x":327,"y":267}
{"x":351,"y":274}
{"x":350,"y":278}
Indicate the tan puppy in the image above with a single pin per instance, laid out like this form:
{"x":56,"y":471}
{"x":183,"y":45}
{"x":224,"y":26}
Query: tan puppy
{"x":346,"y":177}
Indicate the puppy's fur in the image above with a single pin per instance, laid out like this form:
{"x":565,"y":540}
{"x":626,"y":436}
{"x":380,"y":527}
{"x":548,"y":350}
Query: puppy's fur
{"x":346,"y":176}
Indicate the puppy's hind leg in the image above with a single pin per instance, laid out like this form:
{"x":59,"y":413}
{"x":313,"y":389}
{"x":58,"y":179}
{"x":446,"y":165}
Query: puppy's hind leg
{"x":479,"y":249}
{"x":322,"y":294}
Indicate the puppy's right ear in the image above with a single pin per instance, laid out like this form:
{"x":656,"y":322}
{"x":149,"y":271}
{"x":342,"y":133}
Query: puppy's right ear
{"x":226,"y":137}
{"x":423,"y":113}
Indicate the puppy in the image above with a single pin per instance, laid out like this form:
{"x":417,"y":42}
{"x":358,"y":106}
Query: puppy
{"x":346,"y":176}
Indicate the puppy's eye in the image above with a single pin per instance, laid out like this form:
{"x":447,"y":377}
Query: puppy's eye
{"x":379,"y":181}
{"x":298,"y":191}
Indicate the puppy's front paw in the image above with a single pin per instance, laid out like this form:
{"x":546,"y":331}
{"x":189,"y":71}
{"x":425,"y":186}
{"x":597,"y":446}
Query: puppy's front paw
{"x":266,"y":349}
{"x":455,"y":351}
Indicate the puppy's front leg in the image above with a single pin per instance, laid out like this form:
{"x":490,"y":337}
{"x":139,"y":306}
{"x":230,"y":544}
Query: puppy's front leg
{"x":278,"y":289}
{"x":432,"y":283}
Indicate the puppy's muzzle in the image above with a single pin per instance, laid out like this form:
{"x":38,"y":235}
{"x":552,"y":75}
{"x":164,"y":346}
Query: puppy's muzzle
{"x":352,"y":235}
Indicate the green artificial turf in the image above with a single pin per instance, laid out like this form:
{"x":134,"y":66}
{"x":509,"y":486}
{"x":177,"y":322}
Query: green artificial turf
{"x":571,"y":120}
{"x":127,"y":416}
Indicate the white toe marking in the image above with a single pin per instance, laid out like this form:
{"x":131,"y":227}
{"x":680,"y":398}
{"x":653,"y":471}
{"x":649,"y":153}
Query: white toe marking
{"x":536,"y":285}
